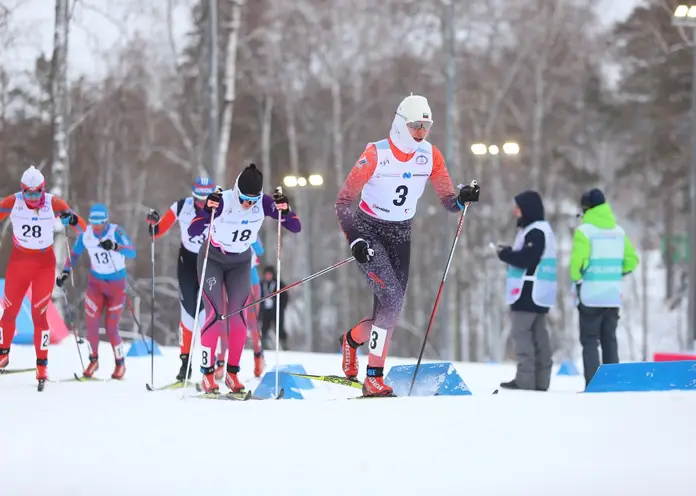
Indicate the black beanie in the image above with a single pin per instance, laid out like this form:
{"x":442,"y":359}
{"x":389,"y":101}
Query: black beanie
{"x":592,"y":198}
{"x":250,"y":181}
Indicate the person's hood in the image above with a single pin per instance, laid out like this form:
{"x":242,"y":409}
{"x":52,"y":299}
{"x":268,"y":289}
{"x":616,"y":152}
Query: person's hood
{"x":401,"y":137}
{"x":600,"y":216}
{"x":531,"y":206}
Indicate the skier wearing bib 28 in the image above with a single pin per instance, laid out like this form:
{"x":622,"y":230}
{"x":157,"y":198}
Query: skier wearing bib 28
{"x":32,"y":263}
{"x":238,"y":215}
{"x":390,"y":175}
{"x":184,"y":210}
{"x":108,"y":248}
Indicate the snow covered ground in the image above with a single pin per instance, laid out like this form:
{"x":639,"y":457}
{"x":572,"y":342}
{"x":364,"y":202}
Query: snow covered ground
{"x":116,"y":438}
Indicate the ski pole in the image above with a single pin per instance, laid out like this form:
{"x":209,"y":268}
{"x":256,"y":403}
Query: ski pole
{"x":289,"y":286}
{"x":72,"y":327}
{"x":199,"y":300}
{"x":68,"y":313}
{"x":152,"y":312}
{"x":131,"y":307}
{"x":439,"y":291}
{"x":279,"y":190}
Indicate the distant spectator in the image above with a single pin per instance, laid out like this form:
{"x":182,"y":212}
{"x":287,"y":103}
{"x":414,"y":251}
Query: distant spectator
{"x":530,"y":292}
{"x":602,"y":254}
{"x":268,"y":308}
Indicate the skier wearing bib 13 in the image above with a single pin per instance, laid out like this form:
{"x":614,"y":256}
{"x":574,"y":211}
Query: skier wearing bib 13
{"x":184,"y":211}
{"x":32,"y":262}
{"x":390,"y":175}
{"x":108,"y":248}
{"x":239,"y":213}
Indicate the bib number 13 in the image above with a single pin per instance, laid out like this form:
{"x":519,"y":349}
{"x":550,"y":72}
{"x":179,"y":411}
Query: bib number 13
{"x":401,"y":192}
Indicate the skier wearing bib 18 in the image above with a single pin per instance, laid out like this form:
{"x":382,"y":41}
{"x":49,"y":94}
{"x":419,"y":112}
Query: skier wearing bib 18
{"x":238,"y":215}
{"x":184,"y":210}
{"x":390,"y":175}
{"x":108,"y":248}
{"x":32,"y":213}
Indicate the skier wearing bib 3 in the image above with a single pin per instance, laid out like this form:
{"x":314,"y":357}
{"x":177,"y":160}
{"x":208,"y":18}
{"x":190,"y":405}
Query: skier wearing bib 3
{"x":390,"y":175}
{"x":184,"y":210}
{"x":32,"y":263}
{"x":238,"y":216}
{"x":108,"y":248}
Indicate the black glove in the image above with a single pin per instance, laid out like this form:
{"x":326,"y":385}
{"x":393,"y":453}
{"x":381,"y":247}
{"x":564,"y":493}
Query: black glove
{"x":107,"y":244}
{"x":362,"y":251}
{"x":63,"y":277}
{"x":214,"y":197}
{"x":153,"y":217}
{"x":68,"y":218}
{"x":469,"y":194}
{"x":280,"y":199}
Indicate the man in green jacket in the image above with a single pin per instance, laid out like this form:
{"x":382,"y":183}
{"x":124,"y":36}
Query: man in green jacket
{"x":602,"y":254}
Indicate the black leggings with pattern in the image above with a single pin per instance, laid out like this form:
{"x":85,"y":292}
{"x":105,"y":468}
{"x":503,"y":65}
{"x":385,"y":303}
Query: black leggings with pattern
{"x":387,"y":275}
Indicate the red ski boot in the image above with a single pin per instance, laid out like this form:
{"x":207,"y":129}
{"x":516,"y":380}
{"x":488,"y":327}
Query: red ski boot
{"x":349,"y":350}
{"x":258,"y":364}
{"x":4,"y":357}
{"x":374,"y":383}
{"x":92,"y":367}
{"x":120,"y":369}
{"x":231,"y":380}
{"x":220,"y":367}
{"x":208,"y":383}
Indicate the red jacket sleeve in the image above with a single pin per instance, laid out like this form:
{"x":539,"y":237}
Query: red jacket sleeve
{"x":359,"y":175}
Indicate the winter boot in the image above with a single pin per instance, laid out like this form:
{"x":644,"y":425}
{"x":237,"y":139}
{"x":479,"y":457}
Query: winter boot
{"x":208,"y":382}
{"x":220,"y":366}
{"x":41,"y":370}
{"x":120,"y":369}
{"x":92,"y":367}
{"x":509,"y":385}
{"x":258,"y":364}
{"x":184,"y":368}
{"x":231,"y":380}
{"x":4,"y":357}
{"x":349,"y":350}
{"x":374,"y":383}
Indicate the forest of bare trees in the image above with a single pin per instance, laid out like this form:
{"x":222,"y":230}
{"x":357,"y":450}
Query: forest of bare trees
{"x":303,"y":85}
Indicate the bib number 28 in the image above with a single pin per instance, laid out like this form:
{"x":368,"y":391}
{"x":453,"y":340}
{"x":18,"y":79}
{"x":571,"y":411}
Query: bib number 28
{"x":401,"y":192}
{"x":31,"y":231}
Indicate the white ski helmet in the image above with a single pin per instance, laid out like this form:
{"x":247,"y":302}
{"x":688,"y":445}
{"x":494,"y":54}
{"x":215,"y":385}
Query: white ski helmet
{"x":32,"y":179}
{"x":415,"y":108}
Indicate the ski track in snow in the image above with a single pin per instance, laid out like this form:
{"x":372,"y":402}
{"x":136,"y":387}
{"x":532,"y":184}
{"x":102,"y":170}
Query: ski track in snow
{"x":116,"y":438}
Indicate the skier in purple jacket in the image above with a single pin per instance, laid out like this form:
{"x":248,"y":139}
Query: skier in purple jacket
{"x":239,"y":213}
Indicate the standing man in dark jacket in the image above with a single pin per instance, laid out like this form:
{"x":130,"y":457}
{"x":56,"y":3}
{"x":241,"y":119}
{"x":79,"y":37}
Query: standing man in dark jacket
{"x":530,"y":292}
{"x":269,"y":284}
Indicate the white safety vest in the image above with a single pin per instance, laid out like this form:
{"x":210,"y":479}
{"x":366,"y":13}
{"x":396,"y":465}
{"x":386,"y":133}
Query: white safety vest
{"x":602,"y":280}
{"x":31,"y":228}
{"x":103,"y":261}
{"x":236,"y":229}
{"x":544,"y":279}
{"x":393,"y":191}
{"x":185,"y":217}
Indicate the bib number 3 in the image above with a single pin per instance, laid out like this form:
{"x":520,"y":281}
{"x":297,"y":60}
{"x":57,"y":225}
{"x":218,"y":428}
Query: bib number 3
{"x":401,"y":191}
{"x":378,"y":338}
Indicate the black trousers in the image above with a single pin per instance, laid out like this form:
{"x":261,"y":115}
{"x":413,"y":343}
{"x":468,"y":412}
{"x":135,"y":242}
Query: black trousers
{"x":598,"y":327}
